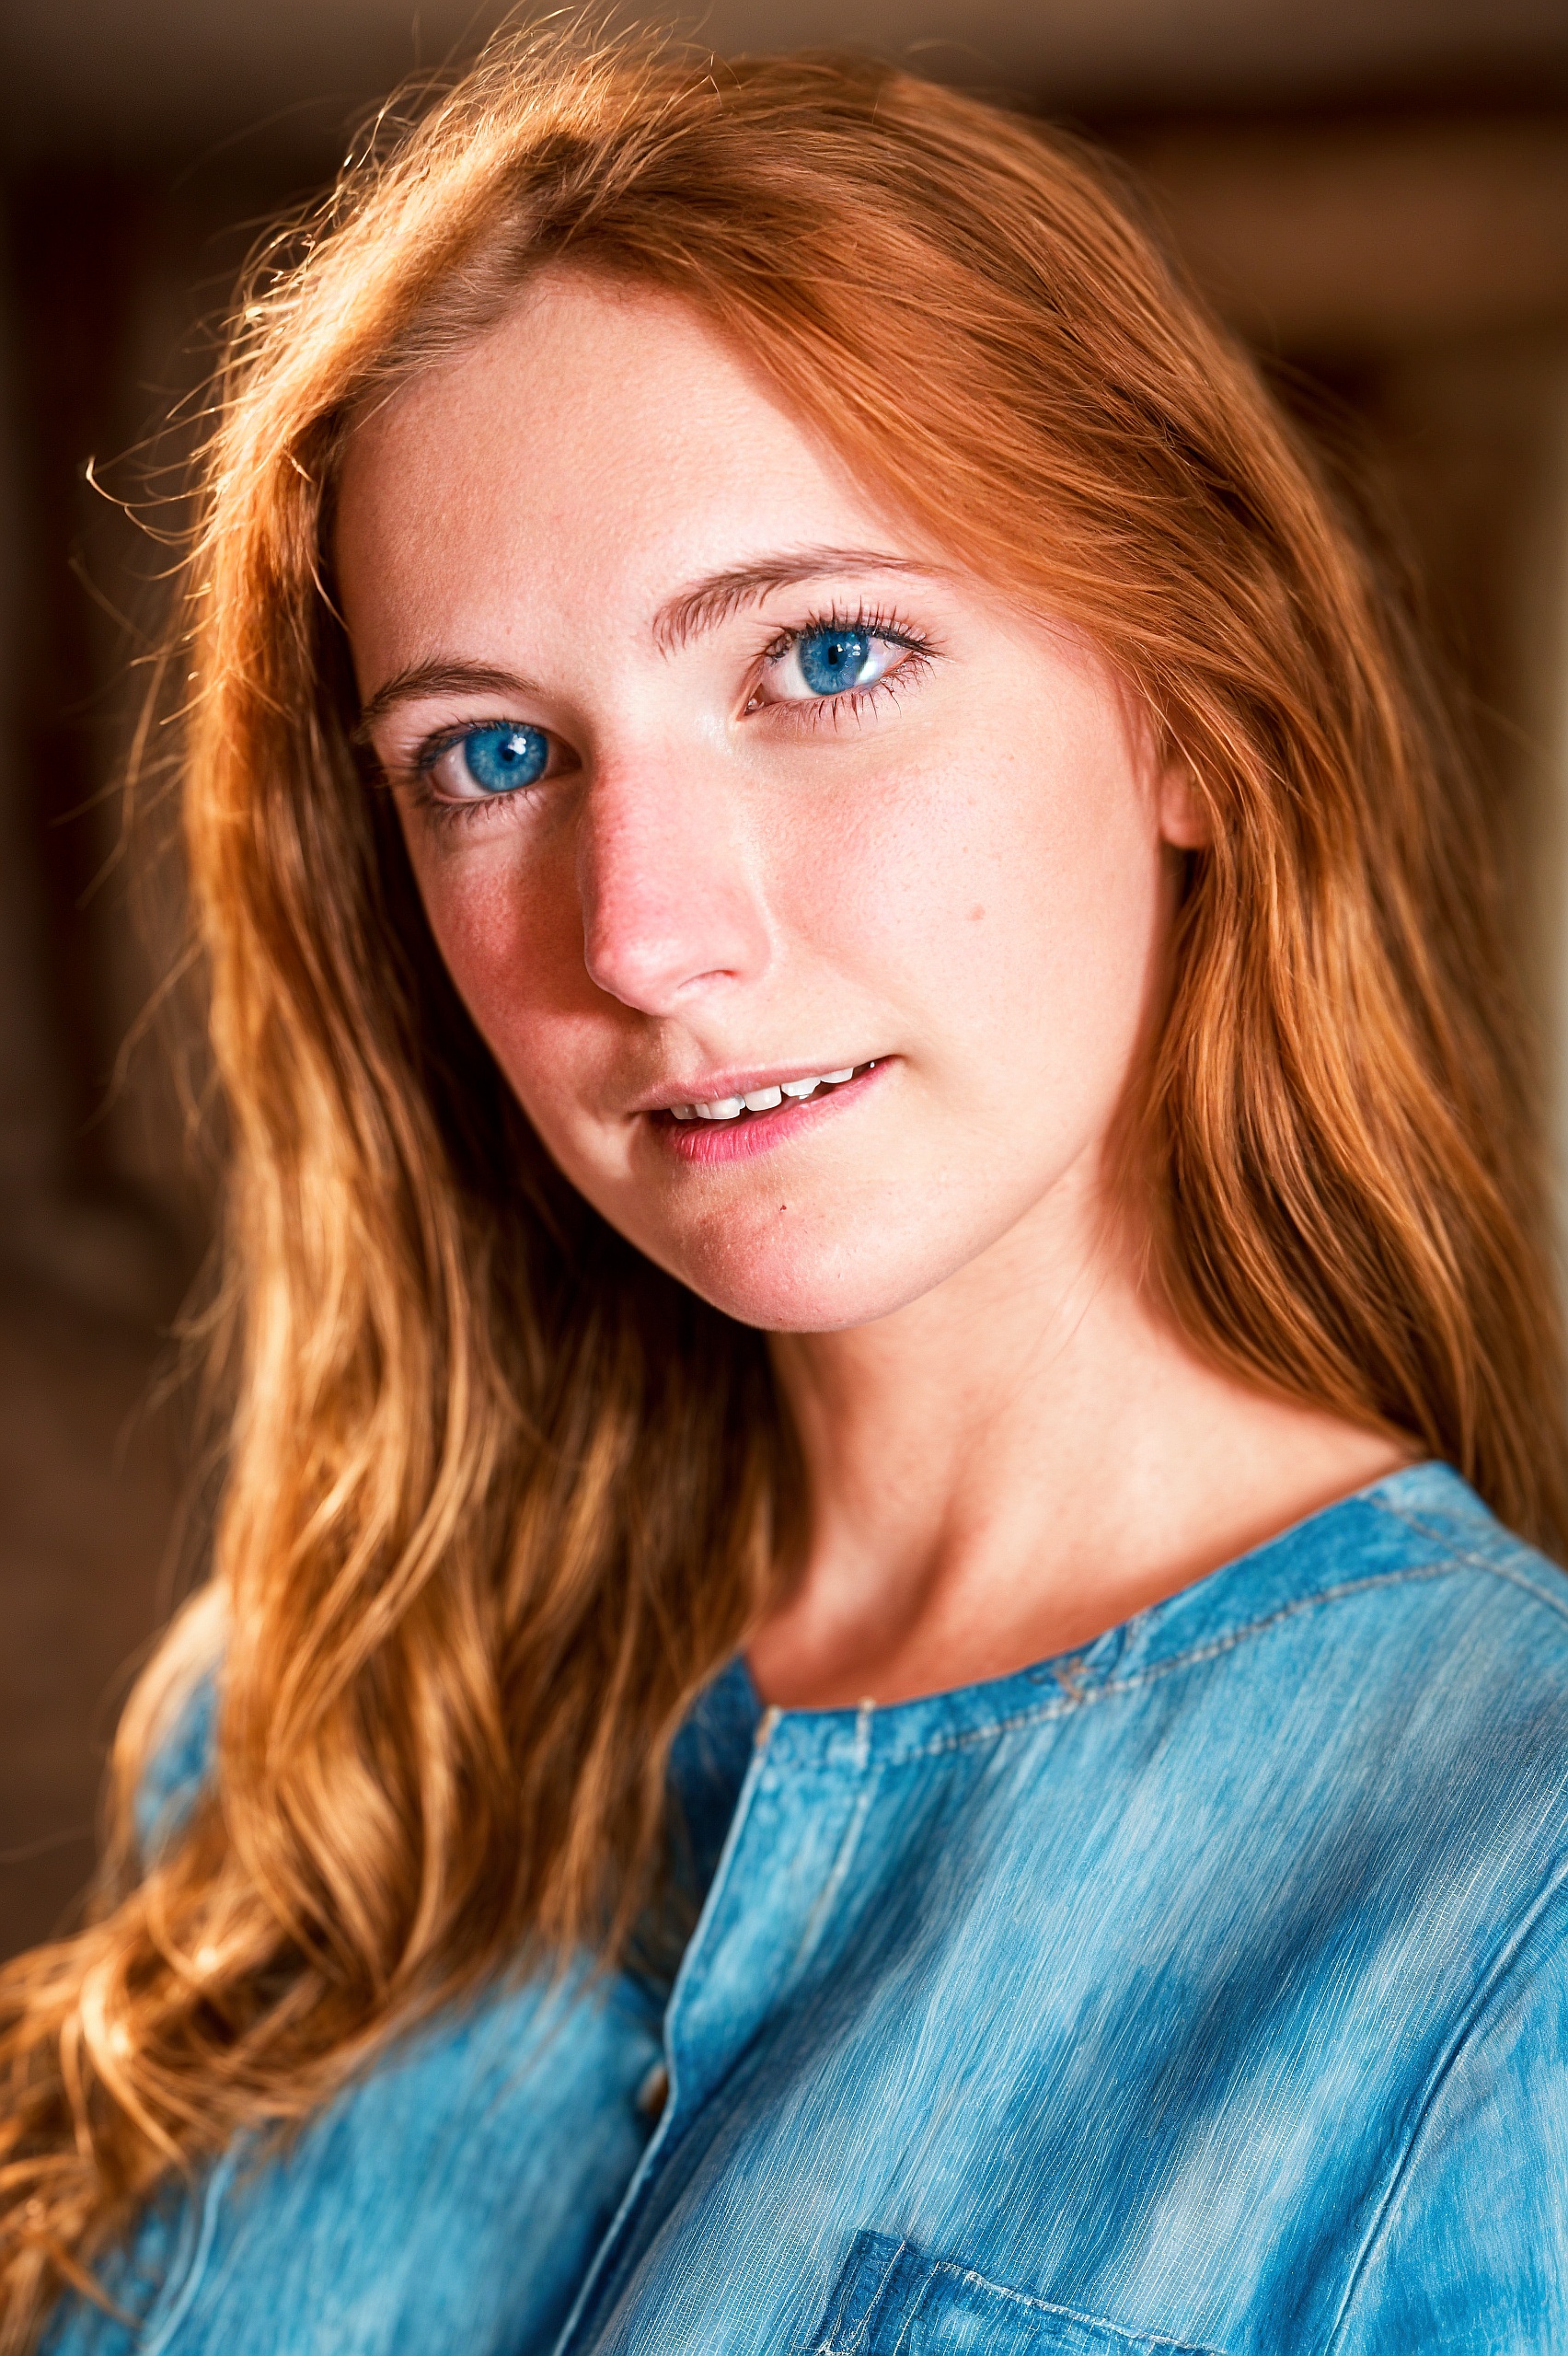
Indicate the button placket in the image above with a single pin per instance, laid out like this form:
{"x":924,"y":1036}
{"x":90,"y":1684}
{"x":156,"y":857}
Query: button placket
{"x":789,"y":1849}
{"x":784,"y":1877}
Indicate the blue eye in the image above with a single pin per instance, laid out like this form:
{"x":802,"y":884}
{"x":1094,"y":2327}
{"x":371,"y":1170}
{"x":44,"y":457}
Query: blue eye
{"x":499,"y":761}
{"x":832,"y":660}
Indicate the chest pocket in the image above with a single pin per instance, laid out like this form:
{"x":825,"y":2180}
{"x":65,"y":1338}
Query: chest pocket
{"x":890,"y":2299}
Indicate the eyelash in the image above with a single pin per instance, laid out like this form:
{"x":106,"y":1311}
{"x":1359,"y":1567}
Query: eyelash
{"x":816,"y":712}
{"x":868,"y":621}
{"x":438,"y":807}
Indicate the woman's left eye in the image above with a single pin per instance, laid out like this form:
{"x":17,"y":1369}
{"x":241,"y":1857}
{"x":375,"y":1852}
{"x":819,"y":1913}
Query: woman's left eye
{"x":485,"y":763}
{"x":832,"y":662}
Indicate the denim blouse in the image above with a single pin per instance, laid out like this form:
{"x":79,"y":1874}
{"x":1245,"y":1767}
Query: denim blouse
{"x":1201,"y":1990}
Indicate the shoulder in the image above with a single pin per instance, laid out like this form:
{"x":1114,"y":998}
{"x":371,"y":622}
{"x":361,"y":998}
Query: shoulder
{"x":179,"y":1765}
{"x":167,"y":1744}
{"x":1393,"y":1684}
{"x":1383,"y":1688}
{"x":1482,"y":1618}
{"x":1449,"y":1636}
{"x":1406,"y":1615}
{"x":1419,"y":1567}
{"x":1427,"y":1520}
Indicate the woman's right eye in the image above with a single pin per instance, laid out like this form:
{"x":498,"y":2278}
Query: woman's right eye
{"x":485,"y":764}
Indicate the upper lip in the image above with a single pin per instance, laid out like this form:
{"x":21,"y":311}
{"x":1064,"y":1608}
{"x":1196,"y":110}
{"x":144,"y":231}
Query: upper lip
{"x":714,"y":1085}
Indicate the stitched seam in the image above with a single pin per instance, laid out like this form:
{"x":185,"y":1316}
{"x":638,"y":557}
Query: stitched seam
{"x":1442,"y":2069}
{"x":833,"y":2345}
{"x":1471,"y":1560}
{"x":1197,"y":1655}
{"x":915,"y":2304}
{"x":828,"y":1897}
{"x":1073,"y":2315}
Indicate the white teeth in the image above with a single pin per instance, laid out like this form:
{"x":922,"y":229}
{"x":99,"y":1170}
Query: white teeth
{"x":762,"y":1099}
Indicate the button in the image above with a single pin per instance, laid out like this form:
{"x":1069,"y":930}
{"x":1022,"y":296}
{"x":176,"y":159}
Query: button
{"x":654,"y":2093}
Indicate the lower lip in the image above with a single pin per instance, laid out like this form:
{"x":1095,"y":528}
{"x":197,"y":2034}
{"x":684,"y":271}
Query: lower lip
{"x":708,"y":1142}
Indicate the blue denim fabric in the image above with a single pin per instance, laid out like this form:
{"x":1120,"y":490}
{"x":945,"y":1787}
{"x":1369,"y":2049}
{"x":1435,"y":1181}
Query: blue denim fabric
{"x":1205,"y":1989}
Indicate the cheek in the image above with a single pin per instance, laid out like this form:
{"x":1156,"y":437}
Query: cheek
{"x":1015,"y":908}
{"x":1080,"y":924}
{"x":511,"y":936}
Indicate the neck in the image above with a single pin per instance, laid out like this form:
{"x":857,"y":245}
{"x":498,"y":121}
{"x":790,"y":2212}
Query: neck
{"x":1019,"y":1459}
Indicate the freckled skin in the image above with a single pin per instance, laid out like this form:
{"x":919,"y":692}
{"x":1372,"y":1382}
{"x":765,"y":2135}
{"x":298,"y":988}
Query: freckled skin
{"x":966,"y":876}
{"x":710,"y":890}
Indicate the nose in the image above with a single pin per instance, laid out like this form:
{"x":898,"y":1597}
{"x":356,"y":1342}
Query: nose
{"x":669,"y":902}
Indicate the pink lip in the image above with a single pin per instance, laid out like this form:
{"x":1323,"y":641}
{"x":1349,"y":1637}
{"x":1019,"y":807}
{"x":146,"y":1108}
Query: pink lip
{"x":710,"y":1142}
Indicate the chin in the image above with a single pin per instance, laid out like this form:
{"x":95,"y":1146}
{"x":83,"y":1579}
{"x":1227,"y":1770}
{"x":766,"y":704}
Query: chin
{"x":799,"y":1283}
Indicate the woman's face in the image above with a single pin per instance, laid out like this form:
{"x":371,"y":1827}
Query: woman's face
{"x":717,"y":781}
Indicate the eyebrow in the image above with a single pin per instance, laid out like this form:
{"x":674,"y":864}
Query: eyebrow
{"x":438,"y":678}
{"x":706,"y":603}
{"x":701,"y":606}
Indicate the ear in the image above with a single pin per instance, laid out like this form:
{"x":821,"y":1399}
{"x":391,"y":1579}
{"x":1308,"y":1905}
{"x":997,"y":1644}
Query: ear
{"x":1183,"y":816}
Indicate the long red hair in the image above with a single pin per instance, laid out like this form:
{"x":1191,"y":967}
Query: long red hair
{"x":500,"y":1496}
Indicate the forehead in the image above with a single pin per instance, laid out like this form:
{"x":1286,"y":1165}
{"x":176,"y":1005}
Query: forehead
{"x":600,"y":438}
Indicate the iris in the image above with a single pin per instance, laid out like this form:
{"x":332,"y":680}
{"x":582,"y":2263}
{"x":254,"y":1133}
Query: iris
{"x":832,"y":660}
{"x":499,"y":761}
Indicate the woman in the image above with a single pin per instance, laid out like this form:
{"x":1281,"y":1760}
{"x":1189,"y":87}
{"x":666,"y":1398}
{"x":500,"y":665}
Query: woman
{"x":861,"y":1693}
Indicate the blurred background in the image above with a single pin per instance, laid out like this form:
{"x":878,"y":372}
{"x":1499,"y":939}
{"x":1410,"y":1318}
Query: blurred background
{"x":1375,"y":192}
